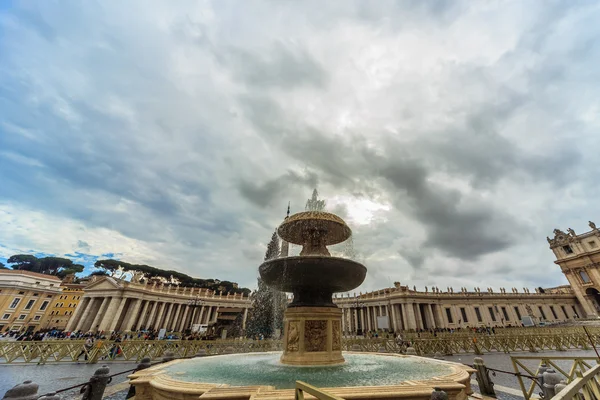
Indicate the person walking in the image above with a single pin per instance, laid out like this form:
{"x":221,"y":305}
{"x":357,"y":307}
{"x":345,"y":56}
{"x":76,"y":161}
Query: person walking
{"x":87,"y":346}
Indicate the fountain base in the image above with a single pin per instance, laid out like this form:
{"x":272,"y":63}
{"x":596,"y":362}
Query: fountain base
{"x":312,"y":336}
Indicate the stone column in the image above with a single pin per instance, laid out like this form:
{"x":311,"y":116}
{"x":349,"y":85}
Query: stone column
{"x":410,"y":316}
{"x":193,"y":316}
{"x":132,"y":314}
{"x":402,"y":310}
{"x":355,"y":312}
{"x":167,"y":317}
{"x":183,"y":325}
{"x":216,"y":313}
{"x":441,"y":324}
{"x":79,"y":311}
{"x":431,"y":316}
{"x":245,"y":318}
{"x":208,"y":314}
{"x":143,"y":315}
{"x":98,"y":318}
{"x":150,"y":322}
{"x":418,"y":317}
{"x":201,"y":314}
{"x":160,"y":315}
{"x":173,"y":322}
{"x":117,"y":314}
{"x":91,"y":313}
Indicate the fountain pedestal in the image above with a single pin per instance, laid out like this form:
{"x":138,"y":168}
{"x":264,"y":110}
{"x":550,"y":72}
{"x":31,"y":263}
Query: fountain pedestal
{"x":313,"y":336}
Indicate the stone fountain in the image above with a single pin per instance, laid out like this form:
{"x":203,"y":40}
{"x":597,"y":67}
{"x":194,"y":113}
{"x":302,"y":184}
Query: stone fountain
{"x":312,"y":344}
{"x":312,"y":322}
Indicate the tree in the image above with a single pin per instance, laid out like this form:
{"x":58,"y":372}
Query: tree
{"x":267,"y":304}
{"x":51,"y":265}
{"x":73,"y":269}
{"x":24,"y":262}
{"x":99,"y":273}
{"x":273,"y":247}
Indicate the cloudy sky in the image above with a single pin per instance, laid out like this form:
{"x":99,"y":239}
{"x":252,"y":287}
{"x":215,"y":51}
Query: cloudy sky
{"x":452,"y":136}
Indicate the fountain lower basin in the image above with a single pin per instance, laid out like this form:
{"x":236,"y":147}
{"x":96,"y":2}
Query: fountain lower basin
{"x":312,"y":279}
{"x":263,"y":377}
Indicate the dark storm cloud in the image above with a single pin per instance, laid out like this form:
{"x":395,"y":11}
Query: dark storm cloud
{"x":271,"y":192}
{"x":466,"y":231}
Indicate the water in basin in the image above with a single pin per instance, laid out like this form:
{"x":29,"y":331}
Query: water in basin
{"x":265,"y":369}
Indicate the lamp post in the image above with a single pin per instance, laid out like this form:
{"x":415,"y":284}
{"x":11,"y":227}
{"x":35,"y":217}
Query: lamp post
{"x":357,"y":305}
{"x":194,"y":303}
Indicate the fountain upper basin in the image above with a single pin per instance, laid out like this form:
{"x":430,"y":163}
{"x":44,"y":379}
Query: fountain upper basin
{"x":312,"y":279}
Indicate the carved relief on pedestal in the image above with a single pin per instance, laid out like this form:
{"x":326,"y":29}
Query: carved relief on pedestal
{"x":315,"y":335}
{"x":293,"y":337}
{"x":336,"y":343}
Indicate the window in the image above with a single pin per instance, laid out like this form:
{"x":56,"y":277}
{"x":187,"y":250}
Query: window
{"x":49,"y":296}
{"x":478,"y":314}
{"x":56,"y":305}
{"x":449,"y":315}
{"x":22,"y":316}
{"x":564,"y":311}
{"x":44,"y":305}
{"x":506,"y":317}
{"x":542,"y":312}
{"x":492,"y":315}
{"x":21,"y":292}
{"x":568,"y":249}
{"x":593,"y":244}
{"x":518,"y":312}
{"x":553,"y":312}
{"x":584,"y":277}
{"x":463,"y":312}
{"x":14,"y":303}
{"x":6,"y":316}
{"x":37,"y":318}
{"x":36,"y":294}
{"x":29,"y":304}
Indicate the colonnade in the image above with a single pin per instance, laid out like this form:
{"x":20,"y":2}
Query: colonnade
{"x":129,"y":313}
{"x":431,"y":315}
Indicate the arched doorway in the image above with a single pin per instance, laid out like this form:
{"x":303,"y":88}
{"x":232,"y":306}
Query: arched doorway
{"x":594,"y":297}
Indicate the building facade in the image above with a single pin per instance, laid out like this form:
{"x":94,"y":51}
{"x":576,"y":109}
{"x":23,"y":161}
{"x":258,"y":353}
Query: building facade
{"x":578,"y":256}
{"x":401,"y":308}
{"x":65,"y":304}
{"x":25,"y":299}
{"x":115,"y":305}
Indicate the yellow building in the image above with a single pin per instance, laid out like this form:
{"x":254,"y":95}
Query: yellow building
{"x":578,"y":256}
{"x":65,"y":304}
{"x":25,"y":299}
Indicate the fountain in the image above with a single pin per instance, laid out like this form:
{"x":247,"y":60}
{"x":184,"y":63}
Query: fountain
{"x":312,"y":322}
{"x":312,"y":342}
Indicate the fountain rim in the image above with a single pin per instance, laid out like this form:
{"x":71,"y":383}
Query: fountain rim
{"x":289,"y":230}
{"x":460,"y":374}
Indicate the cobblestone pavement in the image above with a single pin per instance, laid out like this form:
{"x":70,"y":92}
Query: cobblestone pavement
{"x":53,"y":377}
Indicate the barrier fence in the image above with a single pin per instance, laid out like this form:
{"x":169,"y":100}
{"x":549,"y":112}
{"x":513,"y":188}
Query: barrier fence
{"x":133,"y":350}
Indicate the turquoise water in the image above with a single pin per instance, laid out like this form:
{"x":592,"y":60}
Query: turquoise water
{"x":265,"y":369}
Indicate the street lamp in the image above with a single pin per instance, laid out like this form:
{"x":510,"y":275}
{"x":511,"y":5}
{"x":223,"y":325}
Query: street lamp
{"x":194,"y":303}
